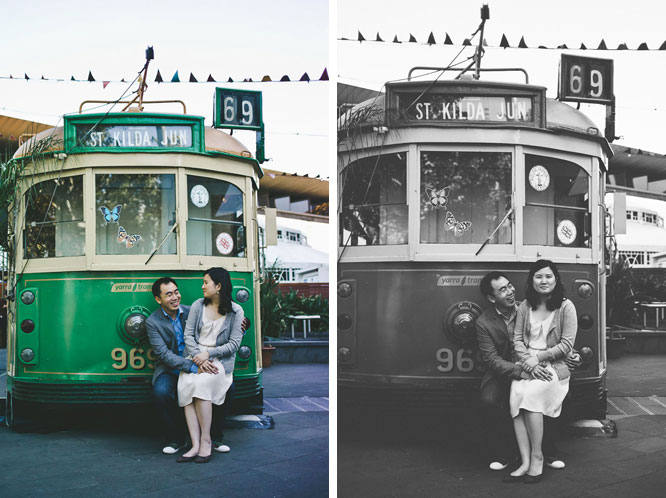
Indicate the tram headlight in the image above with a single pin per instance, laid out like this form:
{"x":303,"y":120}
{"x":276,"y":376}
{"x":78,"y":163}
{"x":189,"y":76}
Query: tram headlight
{"x":344,"y":354}
{"x":585,"y":291}
{"x":131,"y":324}
{"x":585,"y":322}
{"x":344,"y":321}
{"x":242,"y":295}
{"x":27,"y":355}
{"x":135,"y":326}
{"x":28,"y":297}
{"x":344,"y":289}
{"x":244,"y":352}
{"x":27,"y":326}
{"x":459,"y":322}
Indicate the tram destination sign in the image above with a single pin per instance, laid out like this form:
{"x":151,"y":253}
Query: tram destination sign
{"x":134,"y":136}
{"x":124,"y":132}
{"x":463,"y":103}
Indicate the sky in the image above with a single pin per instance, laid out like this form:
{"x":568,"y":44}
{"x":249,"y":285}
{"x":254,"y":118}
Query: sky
{"x":639,"y":76}
{"x":226,"y":39}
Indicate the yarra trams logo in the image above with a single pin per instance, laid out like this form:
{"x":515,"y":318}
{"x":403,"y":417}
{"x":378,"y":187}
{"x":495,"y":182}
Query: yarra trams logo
{"x":132,"y":287}
{"x":458,"y":280}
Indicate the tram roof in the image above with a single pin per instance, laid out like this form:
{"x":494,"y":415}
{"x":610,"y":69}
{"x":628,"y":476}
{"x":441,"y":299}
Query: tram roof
{"x":559,"y":117}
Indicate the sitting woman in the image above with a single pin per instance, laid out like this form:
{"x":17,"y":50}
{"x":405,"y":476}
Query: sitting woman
{"x":212,"y":336}
{"x":544,"y":335}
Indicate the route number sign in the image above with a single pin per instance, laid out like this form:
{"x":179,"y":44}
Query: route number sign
{"x":586,"y":79}
{"x":238,"y":109}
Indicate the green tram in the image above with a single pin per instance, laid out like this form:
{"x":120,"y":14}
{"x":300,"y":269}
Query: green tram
{"x":107,"y":204}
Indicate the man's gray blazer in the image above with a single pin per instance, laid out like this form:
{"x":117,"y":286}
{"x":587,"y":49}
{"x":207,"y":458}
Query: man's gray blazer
{"x":162,"y":338}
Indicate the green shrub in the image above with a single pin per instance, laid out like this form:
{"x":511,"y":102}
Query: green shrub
{"x":275,"y":308}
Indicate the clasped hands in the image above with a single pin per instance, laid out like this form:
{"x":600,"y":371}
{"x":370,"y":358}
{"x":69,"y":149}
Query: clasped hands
{"x":537,"y":370}
{"x":202,"y":360}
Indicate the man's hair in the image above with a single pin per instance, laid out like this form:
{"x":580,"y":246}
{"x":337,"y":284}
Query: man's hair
{"x":486,"y":285}
{"x":157,"y":285}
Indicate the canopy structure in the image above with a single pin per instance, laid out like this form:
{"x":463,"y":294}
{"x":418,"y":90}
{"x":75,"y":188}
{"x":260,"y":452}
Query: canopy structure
{"x":14,"y":128}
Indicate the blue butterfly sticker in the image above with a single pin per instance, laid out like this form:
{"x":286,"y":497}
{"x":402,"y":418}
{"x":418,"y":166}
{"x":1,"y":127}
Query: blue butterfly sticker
{"x":111,"y":216}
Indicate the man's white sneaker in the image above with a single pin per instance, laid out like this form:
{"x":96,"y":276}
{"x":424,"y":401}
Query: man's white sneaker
{"x":497,"y":465}
{"x":171,"y":448}
{"x":221,"y":448}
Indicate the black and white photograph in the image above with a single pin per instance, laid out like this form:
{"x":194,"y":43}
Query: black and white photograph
{"x":501,"y":244}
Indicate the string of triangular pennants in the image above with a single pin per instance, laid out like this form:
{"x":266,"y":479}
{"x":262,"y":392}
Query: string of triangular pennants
{"x":192,"y":79}
{"x":504,"y":43}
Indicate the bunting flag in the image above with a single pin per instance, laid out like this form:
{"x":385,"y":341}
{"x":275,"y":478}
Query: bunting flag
{"x":266,"y":78}
{"x":504,"y":43}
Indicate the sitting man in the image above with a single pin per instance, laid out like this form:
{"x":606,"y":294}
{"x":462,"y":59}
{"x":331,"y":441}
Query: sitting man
{"x":165,"y":332}
{"x":494,"y":333}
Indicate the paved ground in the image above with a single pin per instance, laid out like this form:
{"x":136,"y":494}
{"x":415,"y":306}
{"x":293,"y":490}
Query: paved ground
{"x":117,"y":453}
{"x":422,"y":456}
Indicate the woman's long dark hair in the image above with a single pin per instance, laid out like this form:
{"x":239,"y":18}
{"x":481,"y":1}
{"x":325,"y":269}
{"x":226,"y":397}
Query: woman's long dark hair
{"x":221,"y":276}
{"x":556,"y":297}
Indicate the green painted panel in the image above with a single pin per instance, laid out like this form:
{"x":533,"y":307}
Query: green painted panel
{"x":77,"y":319}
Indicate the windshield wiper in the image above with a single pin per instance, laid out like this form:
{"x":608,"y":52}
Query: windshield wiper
{"x":160,"y":245}
{"x":508,"y":213}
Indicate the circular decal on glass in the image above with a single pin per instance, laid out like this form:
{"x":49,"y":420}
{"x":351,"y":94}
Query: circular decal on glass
{"x":566,"y":232}
{"x":199,"y":196}
{"x":539,"y":178}
{"x":224,"y":243}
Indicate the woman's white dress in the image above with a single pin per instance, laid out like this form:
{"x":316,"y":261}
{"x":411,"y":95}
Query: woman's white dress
{"x":212,"y":387}
{"x":537,"y":395}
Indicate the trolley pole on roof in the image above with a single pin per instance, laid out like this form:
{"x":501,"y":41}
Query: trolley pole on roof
{"x":485,"y":15}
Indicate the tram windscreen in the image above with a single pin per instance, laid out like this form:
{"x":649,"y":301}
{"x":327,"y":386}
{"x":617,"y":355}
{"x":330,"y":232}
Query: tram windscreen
{"x":374,"y":201}
{"x":134,"y":213}
{"x":54,"y":218}
{"x":215,"y":218}
{"x":557,"y":203}
{"x":465,"y":196}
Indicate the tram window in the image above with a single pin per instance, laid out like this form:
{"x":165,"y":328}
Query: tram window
{"x":134,"y":213}
{"x":374,"y":201}
{"x":557,"y":200}
{"x":464,"y":197}
{"x":215,"y":218}
{"x":54,"y":219}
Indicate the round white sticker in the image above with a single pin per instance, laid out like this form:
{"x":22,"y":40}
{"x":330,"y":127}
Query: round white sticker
{"x":566,"y":232}
{"x":199,"y":196}
{"x":224,"y":243}
{"x":539,"y":178}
